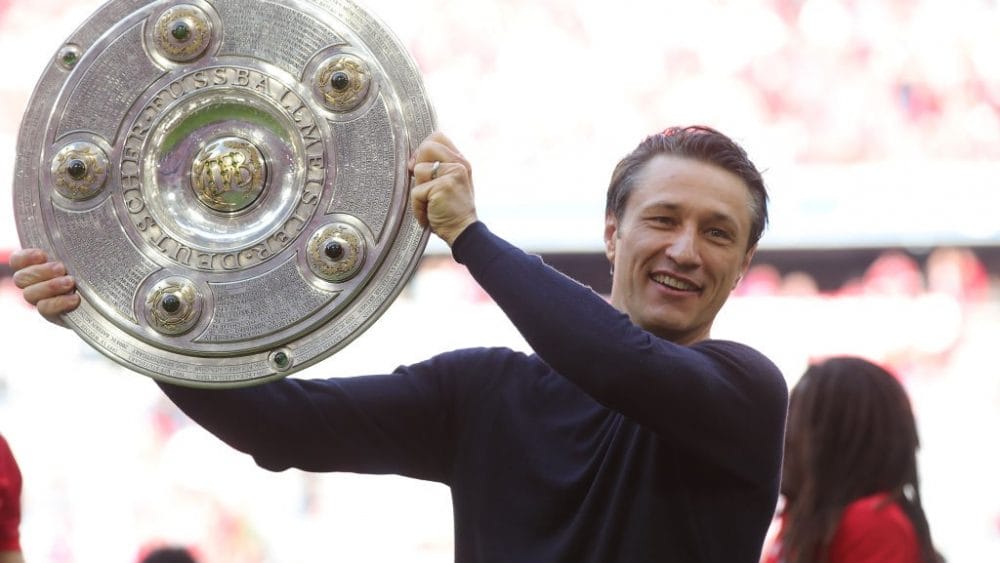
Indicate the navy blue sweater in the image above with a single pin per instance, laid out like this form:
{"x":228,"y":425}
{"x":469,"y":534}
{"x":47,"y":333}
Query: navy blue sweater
{"x":608,"y":445}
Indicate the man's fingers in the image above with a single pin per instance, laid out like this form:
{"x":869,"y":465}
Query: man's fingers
{"x":53,"y":307}
{"x":426,"y":171}
{"x":436,"y":147}
{"x":38,"y":292}
{"x":45,"y":284}
{"x":27,"y":257}
{"x":442,"y":139}
{"x":418,"y":200}
{"x":428,"y":153}
{"x":28,"y":276}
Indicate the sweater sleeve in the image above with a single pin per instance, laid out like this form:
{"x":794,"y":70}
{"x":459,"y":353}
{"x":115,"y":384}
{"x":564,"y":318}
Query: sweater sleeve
{"x":400,"y":423}
{"x":720,"y":399}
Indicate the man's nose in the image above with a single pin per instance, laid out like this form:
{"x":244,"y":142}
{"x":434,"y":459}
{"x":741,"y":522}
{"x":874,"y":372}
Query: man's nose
{"x":683,"y":248}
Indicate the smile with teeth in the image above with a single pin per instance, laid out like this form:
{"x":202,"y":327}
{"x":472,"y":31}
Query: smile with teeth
{"x":674,"y":283}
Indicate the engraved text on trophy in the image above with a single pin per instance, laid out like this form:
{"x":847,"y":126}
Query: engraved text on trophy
{"x":229,"y":174}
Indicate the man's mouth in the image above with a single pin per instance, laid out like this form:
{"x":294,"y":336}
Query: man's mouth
{"x":674,"y":283}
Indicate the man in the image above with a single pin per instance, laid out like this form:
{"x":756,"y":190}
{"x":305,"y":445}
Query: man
{"x":629,"y":436}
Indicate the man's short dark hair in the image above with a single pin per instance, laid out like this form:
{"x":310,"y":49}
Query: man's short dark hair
{"x":700,"y":143}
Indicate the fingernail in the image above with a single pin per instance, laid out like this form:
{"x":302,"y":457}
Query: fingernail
{"x":57,"y":268}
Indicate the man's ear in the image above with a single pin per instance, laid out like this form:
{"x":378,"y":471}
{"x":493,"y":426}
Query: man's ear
{"x":747,"y":258}
{"x":610,"y":236}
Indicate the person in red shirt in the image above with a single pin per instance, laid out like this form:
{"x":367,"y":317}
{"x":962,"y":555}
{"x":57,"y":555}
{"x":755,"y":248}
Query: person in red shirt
{"x":10,"y":506}
{"x":849,"y":475}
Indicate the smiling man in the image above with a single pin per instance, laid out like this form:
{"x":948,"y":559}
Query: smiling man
{"x":685,"y":211}
{"x":628,"y":436}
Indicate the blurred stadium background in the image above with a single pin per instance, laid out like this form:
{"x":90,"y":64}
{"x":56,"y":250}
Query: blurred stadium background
{"x":877,"y":123}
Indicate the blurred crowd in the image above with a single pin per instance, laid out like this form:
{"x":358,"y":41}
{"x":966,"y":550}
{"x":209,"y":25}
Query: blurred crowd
{"x":911,"y":315}
{"x":880,"y":80}
{"x":828,"y":80}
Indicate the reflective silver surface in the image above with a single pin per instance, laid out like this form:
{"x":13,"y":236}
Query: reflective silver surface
{"x":226,"y":180}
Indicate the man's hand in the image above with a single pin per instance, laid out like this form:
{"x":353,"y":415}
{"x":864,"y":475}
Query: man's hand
{"x":442,"y":195}
{"x":45,"y":284}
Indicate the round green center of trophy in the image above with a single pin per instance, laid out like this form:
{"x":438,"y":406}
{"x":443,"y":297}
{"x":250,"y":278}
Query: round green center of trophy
{"x":229,"y":174}
{"x":180,"y":31}
{"x":281,"y":359}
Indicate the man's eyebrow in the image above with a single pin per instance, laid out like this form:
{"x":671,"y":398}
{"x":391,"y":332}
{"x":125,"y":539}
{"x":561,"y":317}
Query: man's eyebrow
{"x":667,"y":205}
{"x":715,"y":216}
{"x":723,"y":218}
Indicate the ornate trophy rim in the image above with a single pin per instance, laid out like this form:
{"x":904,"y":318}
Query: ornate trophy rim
{"x":233,"y":204}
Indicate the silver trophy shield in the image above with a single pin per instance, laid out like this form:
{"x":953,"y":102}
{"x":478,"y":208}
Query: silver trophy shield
{"x":227,"y":181}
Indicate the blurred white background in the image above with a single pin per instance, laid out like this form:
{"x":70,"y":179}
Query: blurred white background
{"x":877,"y":123}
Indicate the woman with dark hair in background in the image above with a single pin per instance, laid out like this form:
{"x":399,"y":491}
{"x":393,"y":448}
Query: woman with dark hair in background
{"x":849,"y":478}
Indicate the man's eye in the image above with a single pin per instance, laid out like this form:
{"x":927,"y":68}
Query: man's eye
{"x":720,"y":234}
{"x":664,"y":220}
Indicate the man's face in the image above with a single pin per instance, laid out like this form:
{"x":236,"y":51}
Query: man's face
{"x":680,"y":247}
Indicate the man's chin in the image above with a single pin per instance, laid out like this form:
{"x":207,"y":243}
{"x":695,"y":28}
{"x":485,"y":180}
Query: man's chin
{"x":672,"y":331}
